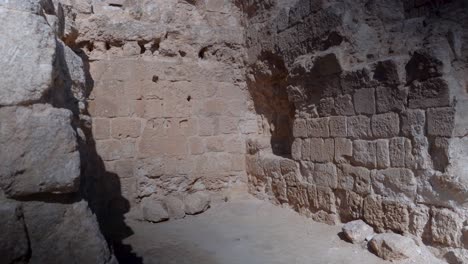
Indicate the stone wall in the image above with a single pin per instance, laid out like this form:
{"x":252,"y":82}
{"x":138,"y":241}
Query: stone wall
{"x":169,"y":102}
{"x":44,"y":216}
{"x":378,"y":92}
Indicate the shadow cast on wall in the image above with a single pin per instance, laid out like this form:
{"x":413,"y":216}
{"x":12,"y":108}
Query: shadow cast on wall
{"x":102,"y":189}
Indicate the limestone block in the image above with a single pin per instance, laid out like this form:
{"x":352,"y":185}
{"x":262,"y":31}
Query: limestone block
{"x":228,"y":125}
{"x":112,"y":149}
{"x":393,"y":247}
{"x":358,"y":127}
{"x":419,"y":217}
{"x":26,"y":66}
{"x":318,"y":127}
{"x":430,"y":93}
{"x":382,"y":154}
{"x":338,"y":126}
{"x":396,"y":216}
{"x":296,"y":149}
{"x":364,"y":153}
{"x":357,"y":231}
{"x":446,"y":227}
{"x":373,"y":212}
{"x":29,"y":6}
{"x":385,"y":125}
{"x":300,"y":128}
{"x":153,"y":210}
{"x":423,"y":65}
{"x":358,"y":179}
{"x":197,"y":203}
{"x":207,"y":126}
{"x":111,"y":107}
{"x":440,"y":121}
{"x":391,"y":99}
{"x":325,"y":175}
{"x":344,"y":105}
{"x":14,"y":240}
{"x":297,"y":197}
{"x":307,"y":171}
{"x":400,"y":151}
{"x":39,"y":151}
{"x":364,"y":101}
{"x":153,"y":108}
{"x":254,"y":165}
{"x":343,"y":149}
{"x":305,"y":148}
{"x":215,"y":144}
{"x":196,"y":145}
{"x":395,"y":183}
{"x":60,"y":232}
{"x":101,"y":128}
{"x":272,"y":166}
{"x":326,"y":199}
{"x":124,"y":168}
{"x":413,"y":122}
{"x":149,"y":167}
{"x":175,"y":207}
{"x":322,"y":150}
{"x":280,"y":190}
{"x":125,"y":128}
{"x":349,"y":204}
{"x":326,"y":106}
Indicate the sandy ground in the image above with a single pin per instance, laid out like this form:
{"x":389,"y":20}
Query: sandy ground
{"x":247,"y":231}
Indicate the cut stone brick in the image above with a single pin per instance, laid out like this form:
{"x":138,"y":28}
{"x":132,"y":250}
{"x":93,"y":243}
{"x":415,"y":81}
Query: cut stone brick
{"x":391,"y":99}
{"x":318,"y":127}
{"x":440,"y":121}
{"x":338,"y":126}
{"x":385,"y":125}
{"x":364,"y":153}
{"x":344,"y":105}
{"x":343,"y":149}
{"x":358,"y":127}
{"x":364,"y":101}
{"x":430,"y":93}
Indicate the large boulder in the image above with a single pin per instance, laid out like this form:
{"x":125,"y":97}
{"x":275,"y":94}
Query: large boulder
{"x":60,"y":233}
{"x":13,"y":241}
{"x":27,"y":54}
{"x":391,"y":246}
{"x":175,"y":207}
{"x":357,"y":231}
{"x":39,"y":151}
{"x":153,"y":210}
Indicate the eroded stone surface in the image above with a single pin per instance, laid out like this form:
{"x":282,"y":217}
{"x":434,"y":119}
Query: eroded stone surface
{"x":393,"y":247}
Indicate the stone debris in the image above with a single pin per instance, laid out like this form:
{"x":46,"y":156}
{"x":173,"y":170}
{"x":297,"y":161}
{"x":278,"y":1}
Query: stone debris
{"x":357,"y":231}
{"x":175,"y":207}
{"x":391,"y":246}
{"x":196,"y":203}
{"x":153,"y":210}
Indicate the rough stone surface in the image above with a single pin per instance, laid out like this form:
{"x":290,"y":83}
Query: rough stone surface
{"x":197,"y":203}
{"x":175,"y":207}
{"x":154,"y":210}
{"x":357,"y":231}
{"x":14,"y":241}
{"x":27,"y":66}
{"x":393,"y":246}
{"x":39,"y":152}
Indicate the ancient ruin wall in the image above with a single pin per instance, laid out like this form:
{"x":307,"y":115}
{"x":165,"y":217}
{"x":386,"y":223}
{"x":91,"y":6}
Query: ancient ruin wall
{"x":378,"y":94}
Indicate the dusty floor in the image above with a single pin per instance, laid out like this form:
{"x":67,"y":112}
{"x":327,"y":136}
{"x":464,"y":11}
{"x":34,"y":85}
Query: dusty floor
{"x":248,"y":231}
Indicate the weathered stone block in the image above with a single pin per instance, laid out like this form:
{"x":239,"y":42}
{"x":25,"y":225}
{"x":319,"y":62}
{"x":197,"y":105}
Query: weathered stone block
{"x":396,"y":216}
{"x":385,"y":125}
{"x":297,"y":197}
{"x":358,"y":127}
{"x":446,"y":227}
{"x":207,"y":126}
{"x":196,"y":145}
{"x":326,"y":199}
{"x":153,"y":210}
{"x":101,"y":128}
{"x":325,"y":175}
{"x":357,"y":231}
{"x":431,"y":93}
{"x":343,"y":149}
{"x":151,"y":167}
{"x":338,"y":126}
{"x":322,"y":150}
{"x":254,"y":165}
{"x":214,"y":144}
{"x":349,"y":205}
{"x":39,"y":151}
{"x":300,"y":128}
{"x":393,"y":246}
{"x":382,"y":153}
{"x":413,"y":122}
{"x":419,"y":217}
{"x":395,"y":183}
{"x":355,"y":179}
{"x":112,"y":149}
{"x":175,"y":207}
{"x":31,"y":74}
{"x":400,"y":151}
{"x":197,"y":203}
{"x":364,"y":153}
{"x":305,"y":148}
{"x":60,"y":232}
{"x":344,"y":105}
{"x":373,"y":212}
{"x":440,"y":121}
{"x":125,"y":128}
{"x":391,"y":99}
{"x":326,"y":106}
{"x":296,"y":149}
{"x":14,"y":240}
{"x":364,"y":101}
{"x":318,"y":127}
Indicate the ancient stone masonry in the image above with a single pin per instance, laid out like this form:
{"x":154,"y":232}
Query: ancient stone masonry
{"x":43,"y":217}
{"x":378,"y":92}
